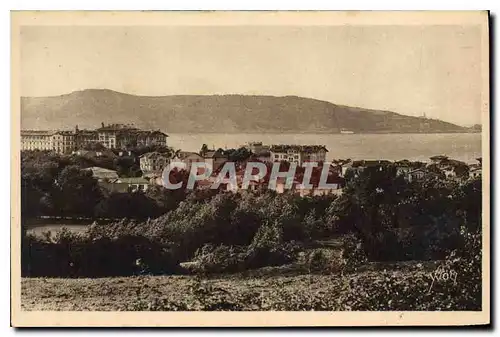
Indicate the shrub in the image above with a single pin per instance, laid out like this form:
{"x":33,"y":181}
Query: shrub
{"x":127,"y":205}
{"x":268,"y":247}
{"x":316,"y":227}
{"x":353,"y":253}
{"x":454,"y":285}
{"x":414,"y":243}
{"x":318,"y":261}
{"x":72,"y":255}
{"x":218,"y":259}
{"x":467,"y":262}
{"x":395,"y":291}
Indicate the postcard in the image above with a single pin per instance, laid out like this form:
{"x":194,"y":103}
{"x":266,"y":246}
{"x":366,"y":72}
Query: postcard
{"x":195,"y":169}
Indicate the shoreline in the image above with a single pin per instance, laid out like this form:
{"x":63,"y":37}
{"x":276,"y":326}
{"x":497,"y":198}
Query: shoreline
{"x":318,"y":133}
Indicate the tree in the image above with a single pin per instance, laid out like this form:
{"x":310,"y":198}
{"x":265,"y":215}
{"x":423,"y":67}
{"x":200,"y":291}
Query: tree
{"x":30,"y":199}
{"x":127,"y":167}
{"x":127,"y":205}
{"x":39,"y":170}
{"x":461,"y":169}
{"x":142,"y":149}
{"x":131,"y":145}
{"x":77,"y":192}
{"x":94,"y":147}
{"x":372,"y":196}
{"x":237,"y":155}
{"x":203,"y":150}
{"x":165,"y":199}
{"x":468,"y":201}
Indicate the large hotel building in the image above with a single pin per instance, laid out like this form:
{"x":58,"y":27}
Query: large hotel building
{"x":112,"y":136}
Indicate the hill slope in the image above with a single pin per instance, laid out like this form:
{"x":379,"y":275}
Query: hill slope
{"x":216,"y":113}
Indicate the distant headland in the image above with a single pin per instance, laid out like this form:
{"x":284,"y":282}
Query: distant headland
{"x":220,"y":114}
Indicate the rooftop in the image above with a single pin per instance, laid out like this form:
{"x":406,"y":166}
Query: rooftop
{"x":298,"y":148}
{"x":95,"y":153}
{"x":37,"y":132}
{"x":365,"y":163}
{"x":440,"y":157}
{"x":152,"y":155}
{"x":188,"y":155}
{"x":116,"y":127}
{"x":139,"y":180}
{"x":97,"y":169}
{"x":86,"y":132}
{"x":128,"y":129}
{"x":213,"y":154}
{"x":140,"y":133}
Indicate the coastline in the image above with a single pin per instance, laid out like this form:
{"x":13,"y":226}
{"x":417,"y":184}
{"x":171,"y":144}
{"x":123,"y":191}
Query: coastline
{"x":316,"y":133}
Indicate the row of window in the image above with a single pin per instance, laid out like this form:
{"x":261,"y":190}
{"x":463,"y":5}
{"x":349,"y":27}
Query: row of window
{"x":152,"y":168}
{"x":284,"y":156}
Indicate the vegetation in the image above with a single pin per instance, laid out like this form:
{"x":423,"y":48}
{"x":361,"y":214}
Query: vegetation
{"x":236,"y":155}
{"x":58,"y":185}
{"x":380,"y":218}
{"x":403,"y":287}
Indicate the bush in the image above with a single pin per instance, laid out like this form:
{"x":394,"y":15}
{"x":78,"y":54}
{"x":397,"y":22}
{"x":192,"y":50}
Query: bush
{"x":394,"y":291}
{"x":268,"y":248}
{"x":467,"y":262}
{"x":71,"y":255}
{"x":454,"y":285}
{"x":219,"y":259}
{"x":353,"y":253}
{"x":414,"y":243}
{"x":318,"y":261}
{"x":229,"y":259}
{"x":127,"y":205}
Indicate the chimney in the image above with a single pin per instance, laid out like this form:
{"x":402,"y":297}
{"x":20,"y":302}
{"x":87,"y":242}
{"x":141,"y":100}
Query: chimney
{"x":76,"y":128}
{"x":102,"y":124}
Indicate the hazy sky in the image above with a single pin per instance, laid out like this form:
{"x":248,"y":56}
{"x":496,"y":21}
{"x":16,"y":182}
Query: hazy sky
{"x":406,"y":69}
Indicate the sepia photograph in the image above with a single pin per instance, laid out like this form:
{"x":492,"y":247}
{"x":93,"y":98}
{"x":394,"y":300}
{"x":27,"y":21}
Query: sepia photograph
{"x":250,"y":168}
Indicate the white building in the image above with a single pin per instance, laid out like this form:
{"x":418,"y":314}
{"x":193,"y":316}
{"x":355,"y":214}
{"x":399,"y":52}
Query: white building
{"x":153,"y":162}
{"x":214,"y":159}
{"x":57,"y":141}
{"x":187,"y":158}
{"x":257,"y":147}
{"x":298,"y":153}
{"x":475,"y":172}
{"x":449,"y":172}
{"x":126,"y":185}
{"x":417,"y":174}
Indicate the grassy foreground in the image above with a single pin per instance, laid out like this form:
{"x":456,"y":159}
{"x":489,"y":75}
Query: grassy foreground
{"x":407,"y":288}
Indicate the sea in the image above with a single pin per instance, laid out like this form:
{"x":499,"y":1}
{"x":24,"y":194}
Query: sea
{"x":465,"y":147}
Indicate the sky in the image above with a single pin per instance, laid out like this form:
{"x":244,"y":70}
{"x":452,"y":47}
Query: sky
{"x":412,"y":70}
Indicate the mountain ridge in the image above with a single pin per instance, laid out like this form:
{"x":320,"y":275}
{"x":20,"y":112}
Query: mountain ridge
{"x":228,"y":113}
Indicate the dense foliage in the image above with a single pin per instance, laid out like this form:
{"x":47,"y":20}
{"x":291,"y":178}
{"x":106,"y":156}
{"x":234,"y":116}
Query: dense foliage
{"x":380,"y":217}
{"x":57,"y":185}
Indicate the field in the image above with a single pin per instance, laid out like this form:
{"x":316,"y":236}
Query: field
{"x":280,"y":288}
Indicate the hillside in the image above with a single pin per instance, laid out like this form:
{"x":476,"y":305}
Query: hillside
{"x":216,"y":113}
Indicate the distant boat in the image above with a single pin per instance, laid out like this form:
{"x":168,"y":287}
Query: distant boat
{"x":346,"y":132}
